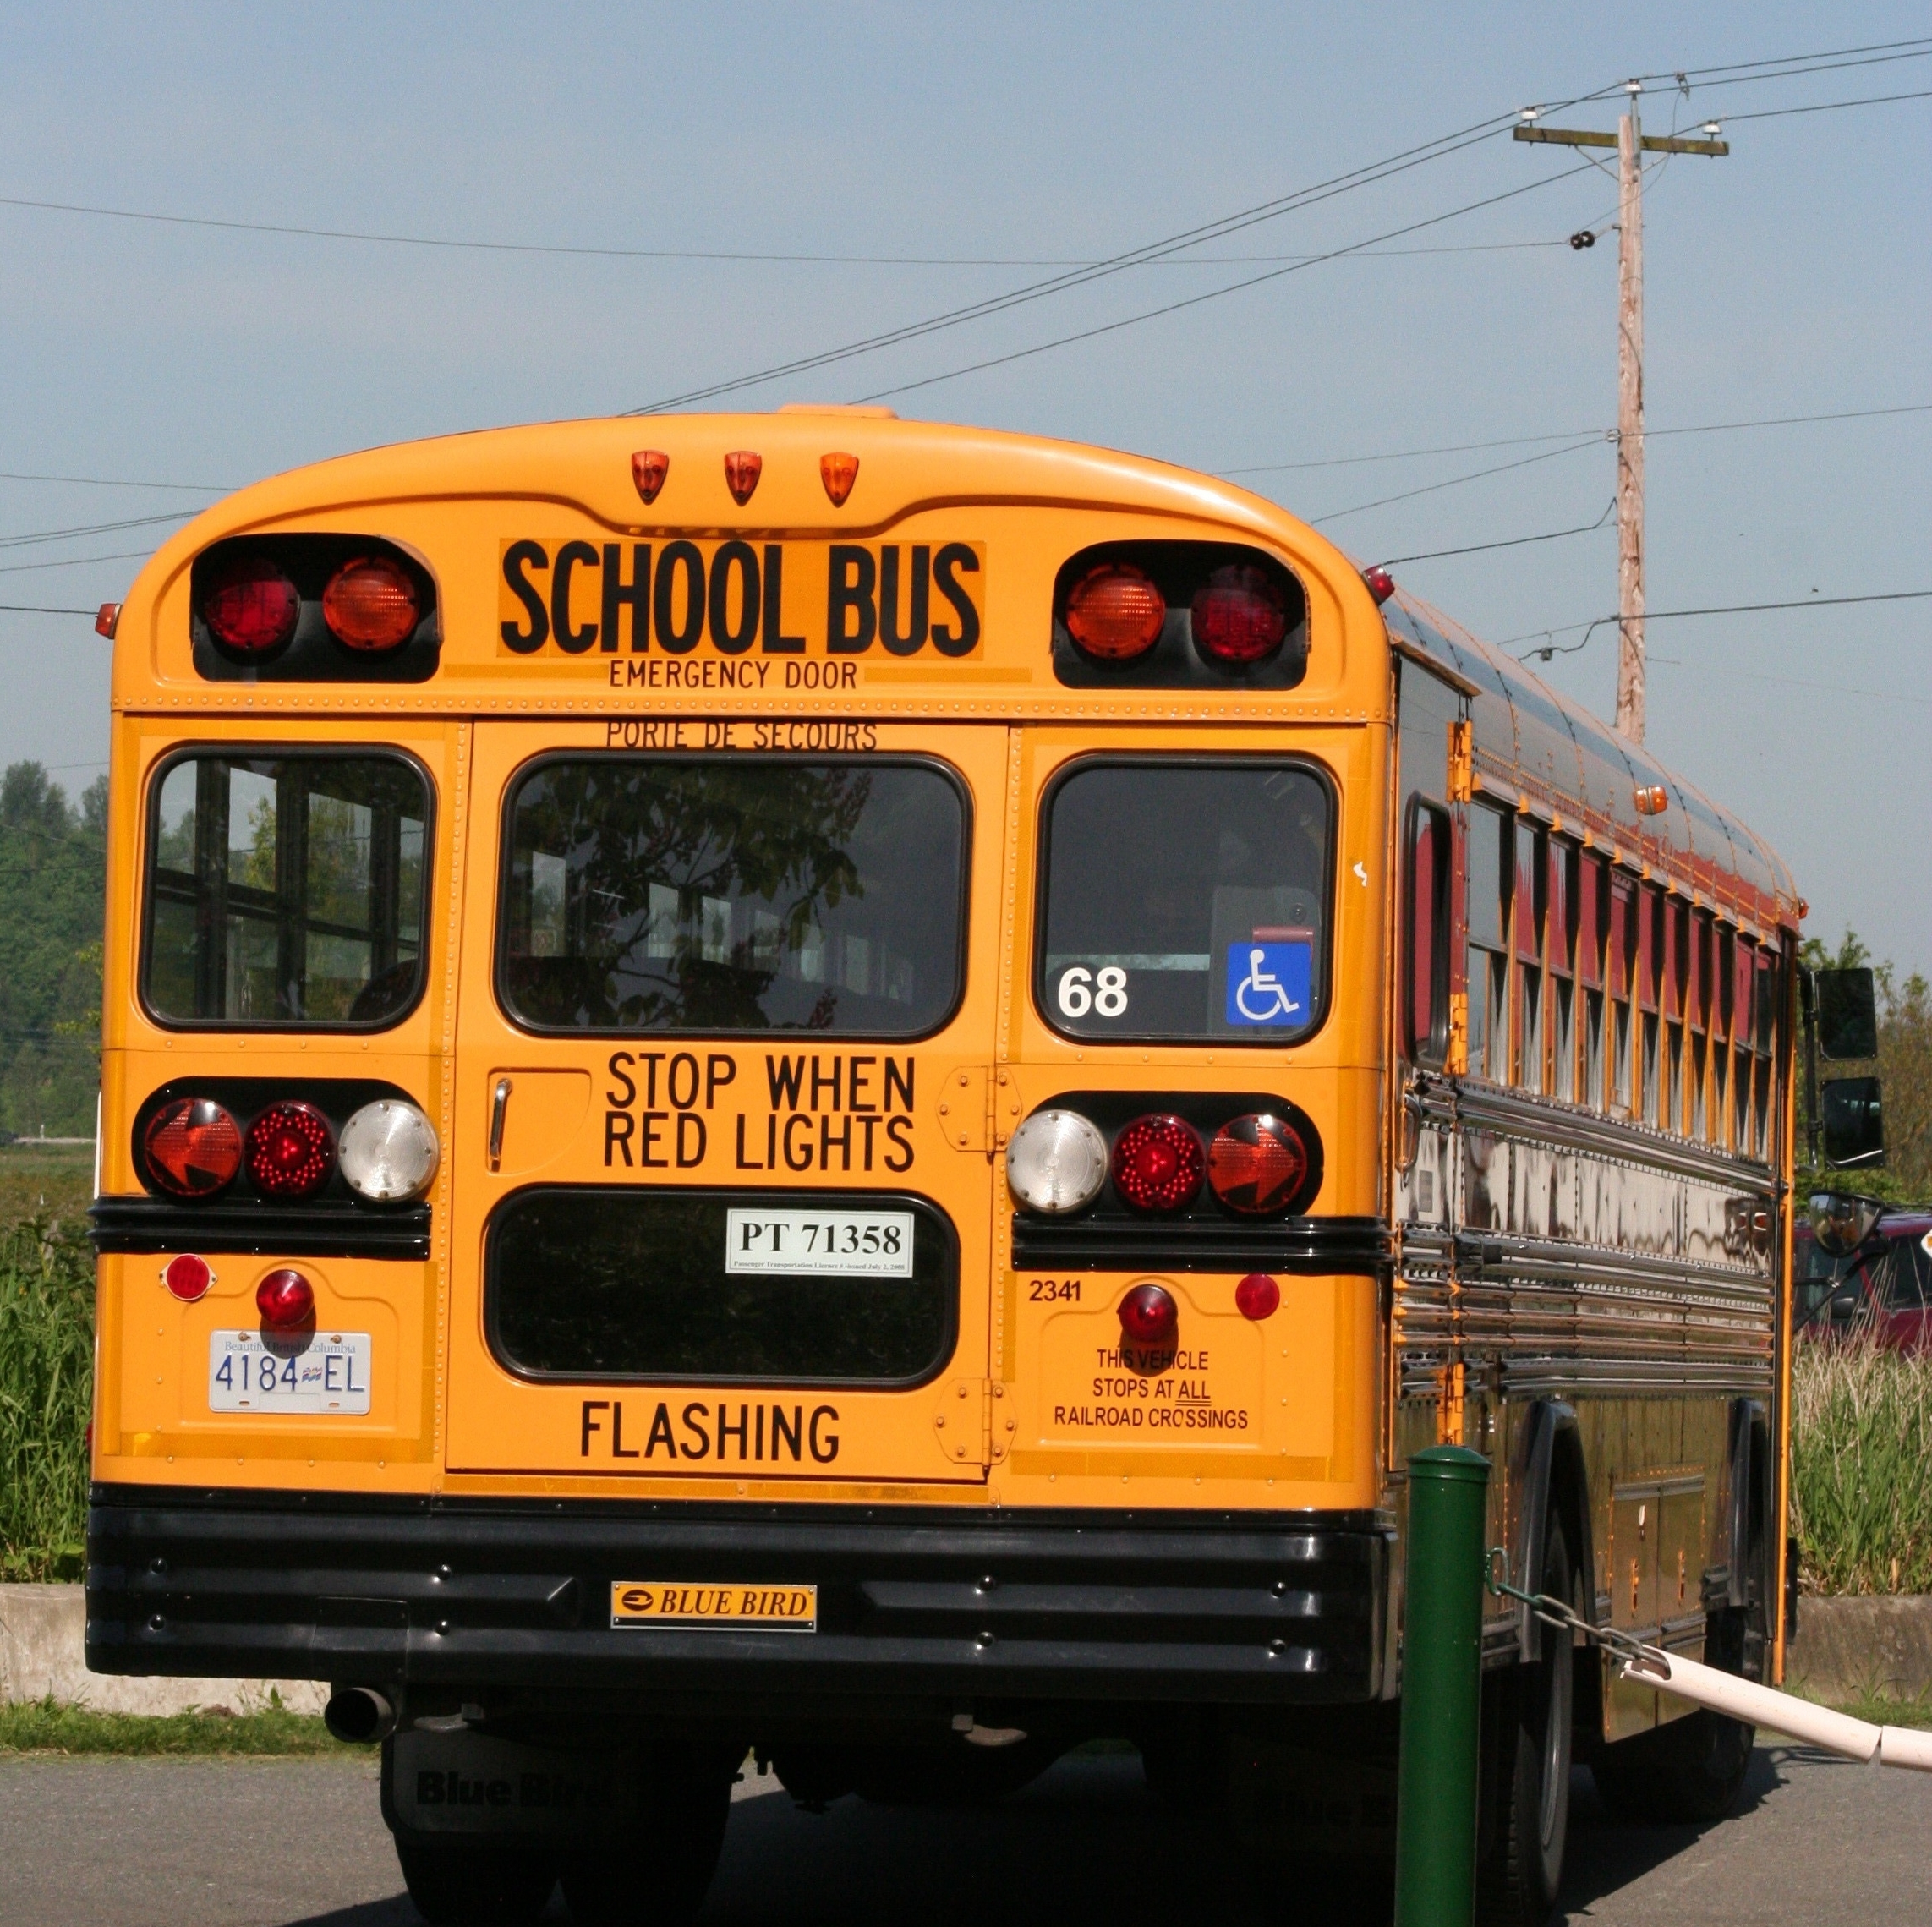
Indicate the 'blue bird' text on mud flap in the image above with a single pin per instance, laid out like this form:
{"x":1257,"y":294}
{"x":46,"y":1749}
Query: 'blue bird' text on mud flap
{"x":1268,"y":983}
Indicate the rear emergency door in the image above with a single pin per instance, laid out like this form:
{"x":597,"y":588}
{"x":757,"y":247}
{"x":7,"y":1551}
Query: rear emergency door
{"x":723,"y":1184}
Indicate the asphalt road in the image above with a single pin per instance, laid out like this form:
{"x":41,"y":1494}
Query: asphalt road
{"x":271,"y":1843}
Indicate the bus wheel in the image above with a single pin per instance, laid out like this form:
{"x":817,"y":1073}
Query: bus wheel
{"x":473,"y":1883}
{"x":1526,"y":1767}
{"x":660,"y":1879}
{"x":1692,"y":1769}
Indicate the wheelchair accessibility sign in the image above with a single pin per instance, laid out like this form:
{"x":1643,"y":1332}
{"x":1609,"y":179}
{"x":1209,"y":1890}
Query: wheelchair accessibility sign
{"x":1268,"y":983}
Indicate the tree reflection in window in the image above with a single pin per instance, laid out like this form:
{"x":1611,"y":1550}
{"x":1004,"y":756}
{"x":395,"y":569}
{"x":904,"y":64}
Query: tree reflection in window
{"x":734,"y":895}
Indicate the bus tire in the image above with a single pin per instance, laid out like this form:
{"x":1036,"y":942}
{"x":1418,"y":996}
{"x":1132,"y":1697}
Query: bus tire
{"x":660,"y":1879}
{"x":1692,"y":1769}
{"x":1526,"y":1765}
{"x":476,"y":1883}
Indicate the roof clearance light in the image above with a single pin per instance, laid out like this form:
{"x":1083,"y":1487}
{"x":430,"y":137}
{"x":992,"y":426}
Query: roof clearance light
{"x":290,"y":1151}
{"x":1239,"y":615}
{"x":1157,"y":1164}
{"x":389,"y":1151}
{"x":1114,"y":613}
{"x":1256,"y":1164}
{"x":741,"y":471}
{"x":371,"y":604}
{"x":1257,"y":1296}
{"x":1652,"y":799}
{"x":1056,"y":1163}
{"x":285,"y":1300}
{"x":251,"y":606}
{"x":107,"y":620}
{"x":187,"y":1278}
{"x":838,"y":472}
{"x":192,"y":1147}
{"x":649,"y":468}
{"x":1380,"y":582}
{"x":1149,"y":1316}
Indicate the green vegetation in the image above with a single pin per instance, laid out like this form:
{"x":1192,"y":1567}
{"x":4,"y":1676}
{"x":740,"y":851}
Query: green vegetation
{"x":42,"y":1725}
{"x":1905,"y":1066}
{"x":47,"y":1390}
{"x":1861,"y":1442}
{"x":54,"y":870}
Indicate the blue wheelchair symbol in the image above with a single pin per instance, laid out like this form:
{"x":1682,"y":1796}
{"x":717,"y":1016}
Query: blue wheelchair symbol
{"x":1268,"y":983}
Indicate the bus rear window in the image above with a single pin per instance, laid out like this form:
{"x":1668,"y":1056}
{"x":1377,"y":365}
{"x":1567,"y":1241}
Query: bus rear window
{"x":286,"y":889}
{"x":1185,"y":901}
{"x":735,"y":894}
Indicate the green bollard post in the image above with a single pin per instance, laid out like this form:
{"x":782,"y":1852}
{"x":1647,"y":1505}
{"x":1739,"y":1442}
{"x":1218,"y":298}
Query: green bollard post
{"x":1442,"y":1689}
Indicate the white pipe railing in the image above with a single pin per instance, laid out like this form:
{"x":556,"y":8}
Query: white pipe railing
{"x":1783,"y":1712}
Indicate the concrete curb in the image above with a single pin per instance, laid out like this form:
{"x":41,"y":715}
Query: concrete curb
{"x":1847,"y":1648}
{"x":43,"y":1634}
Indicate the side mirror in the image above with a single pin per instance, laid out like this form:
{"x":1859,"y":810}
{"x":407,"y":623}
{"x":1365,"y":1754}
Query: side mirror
{"x":1842,"y":1221}
{"x":1854,"y":1128}
{"x":1847,"y":1015}
{"x":1844,"y":1306}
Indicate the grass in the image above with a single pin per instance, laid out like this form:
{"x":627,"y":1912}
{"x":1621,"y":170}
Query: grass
{"x":1861,"y":1450}
{"x":46,"y":1389}
{"x":46,"y":1180}
{"x":42,"y":1725}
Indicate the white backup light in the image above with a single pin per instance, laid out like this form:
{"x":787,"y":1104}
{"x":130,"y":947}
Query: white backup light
{"x":1056,"y":1161}
{"x":388,"y":1152}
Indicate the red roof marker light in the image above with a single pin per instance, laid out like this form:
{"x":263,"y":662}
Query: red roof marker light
{"x":1381,"y":583}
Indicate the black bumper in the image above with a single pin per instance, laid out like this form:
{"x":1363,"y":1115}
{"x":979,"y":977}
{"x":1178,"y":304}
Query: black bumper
{"x":1272,"y":1609}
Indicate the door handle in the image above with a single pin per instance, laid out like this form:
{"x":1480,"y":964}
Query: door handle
{"x":499,"y":1105}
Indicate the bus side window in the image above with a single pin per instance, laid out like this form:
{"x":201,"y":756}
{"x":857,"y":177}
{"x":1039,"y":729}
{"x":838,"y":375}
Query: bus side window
{"x":1491,"y":868}
{"x":1531,"y":915}
{"x":1428,"y":936}
{"x":1623,"y":956}
{"x":1560,"y":918}
{"x":1593,"y":922}
{"x":1649,"y":982}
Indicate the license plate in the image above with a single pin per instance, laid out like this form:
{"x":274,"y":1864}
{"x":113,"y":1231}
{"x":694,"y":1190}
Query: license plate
{"x":676,"y":1602}
{"x":326,"y":1373}
{"x":834,"y":1243}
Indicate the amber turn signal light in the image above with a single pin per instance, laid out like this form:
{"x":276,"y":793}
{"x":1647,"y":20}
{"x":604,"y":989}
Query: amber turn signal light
{"x":371,"y":604}
{"x":838,"y":472}
{"x":741,"y":471}
{"x":1114,"y":613}
{"x":192,"y":1147}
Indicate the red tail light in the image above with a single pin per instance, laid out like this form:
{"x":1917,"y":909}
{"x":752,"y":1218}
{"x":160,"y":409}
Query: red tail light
{"x":741,"y":471}
{"x":1239,"y":615}
{"x":187,"y":1278}
{"x":1113,"y":612}
{"x":251,"y":606}
{"x":192,"y":1147}
{"x":1149,"y":1316}
{"x":1157,"y":1163}
{"x":371,"y":604}
{"x":1256,"y":1164}
{"x":285,"y":1301}
{"x":290,"y":1151}
{"x":1257,"y":1296}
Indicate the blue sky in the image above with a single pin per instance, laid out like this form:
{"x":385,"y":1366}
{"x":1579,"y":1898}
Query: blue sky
{"x":1789,"y":279}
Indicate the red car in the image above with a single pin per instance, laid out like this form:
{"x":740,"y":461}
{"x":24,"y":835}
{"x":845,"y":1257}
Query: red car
{"x":1882,"y":1284}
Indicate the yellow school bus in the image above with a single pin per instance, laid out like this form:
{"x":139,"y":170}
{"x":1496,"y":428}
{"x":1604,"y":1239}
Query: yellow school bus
{"x":851,"y":1087}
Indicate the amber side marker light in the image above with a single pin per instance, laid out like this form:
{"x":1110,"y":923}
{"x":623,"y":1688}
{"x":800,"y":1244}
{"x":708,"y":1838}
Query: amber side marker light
{"x":649,"y":468}
{"x":1652,"y":799}
{"x":741,"y":471}
{"x":371,"y":604}
{"x":1113,"y":613}
{"x":838,"y":472}
{"x":251,"y":606}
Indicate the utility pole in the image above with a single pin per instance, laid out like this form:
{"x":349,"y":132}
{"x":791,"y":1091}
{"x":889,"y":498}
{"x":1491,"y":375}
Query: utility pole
{"x":1632,"y":144}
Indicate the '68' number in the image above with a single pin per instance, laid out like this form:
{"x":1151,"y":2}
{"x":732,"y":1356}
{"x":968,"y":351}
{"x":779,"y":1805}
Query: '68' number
{"x":1103,"y":992}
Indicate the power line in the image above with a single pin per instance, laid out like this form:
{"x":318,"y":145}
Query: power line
{"x":1830,"y":107}
{"x":1373,"y":171}
{"x":105,"y":482}
{"x":96,"y":529}
{"x":1795,"y":63}
{"x":75,"y":561}
{"x":1729,"y":608}
{"x":1514,"y":542}
{"x":1211,"y":294}
{"x":41,"y":609}
{"x":1456,"y":481}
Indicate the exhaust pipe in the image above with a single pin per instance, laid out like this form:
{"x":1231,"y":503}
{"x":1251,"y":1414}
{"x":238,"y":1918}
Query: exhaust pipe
{"x":358,"y":1715}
